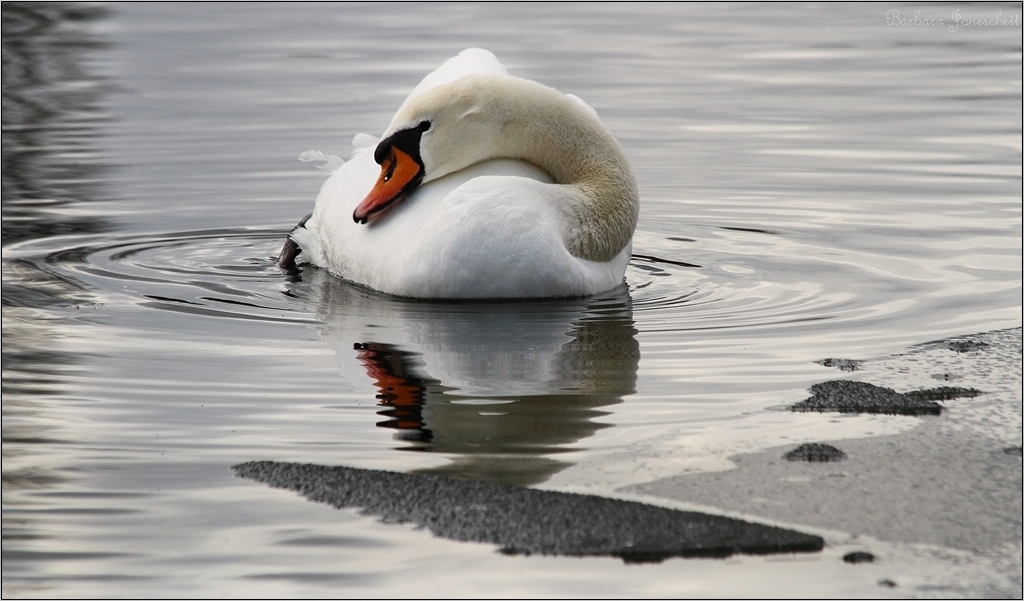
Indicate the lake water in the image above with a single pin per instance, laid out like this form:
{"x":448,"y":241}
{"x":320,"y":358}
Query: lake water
{"x":815,"y":182}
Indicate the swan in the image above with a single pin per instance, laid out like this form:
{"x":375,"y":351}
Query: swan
{"x":484,"y":186}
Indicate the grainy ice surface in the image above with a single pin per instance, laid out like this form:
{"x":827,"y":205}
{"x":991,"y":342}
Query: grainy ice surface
{"x":950,"y":487}
{"x":524,"y":521}
{"x":848,"y":396}
{"x":828,"y":193}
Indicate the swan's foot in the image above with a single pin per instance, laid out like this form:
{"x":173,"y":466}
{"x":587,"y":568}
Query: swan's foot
{"x":290,"y":250}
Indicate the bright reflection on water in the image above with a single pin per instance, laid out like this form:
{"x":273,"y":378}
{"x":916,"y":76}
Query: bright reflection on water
{"x":814,"y":184}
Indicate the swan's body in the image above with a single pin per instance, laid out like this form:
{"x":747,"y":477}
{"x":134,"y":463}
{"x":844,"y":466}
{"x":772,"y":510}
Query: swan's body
{"x":488,"y":186}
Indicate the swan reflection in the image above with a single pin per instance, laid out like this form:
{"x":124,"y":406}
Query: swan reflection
{"x":499,"y":387}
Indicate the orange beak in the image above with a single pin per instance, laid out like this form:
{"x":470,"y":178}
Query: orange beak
{"x":399,"y":175}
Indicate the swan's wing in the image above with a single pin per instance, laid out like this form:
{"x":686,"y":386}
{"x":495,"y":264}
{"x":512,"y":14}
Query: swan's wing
{"x":469,"y":61}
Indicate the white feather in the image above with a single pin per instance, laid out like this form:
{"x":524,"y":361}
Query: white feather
{"x":331,"y":162}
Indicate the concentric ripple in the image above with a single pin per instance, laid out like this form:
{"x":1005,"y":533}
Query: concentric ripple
{"x":232,"y":273}
{"x":672,"y":296}
{"x":229,"y":273}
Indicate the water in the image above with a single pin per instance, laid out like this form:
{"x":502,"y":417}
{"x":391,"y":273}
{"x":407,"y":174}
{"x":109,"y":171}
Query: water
{"x":815,"y":183}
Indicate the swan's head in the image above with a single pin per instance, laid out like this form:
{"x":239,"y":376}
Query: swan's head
{"x":401,"y":171}
{"x":440,"y":131}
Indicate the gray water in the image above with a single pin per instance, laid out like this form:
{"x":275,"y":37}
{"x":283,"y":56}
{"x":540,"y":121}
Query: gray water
{"x":815,"y":182}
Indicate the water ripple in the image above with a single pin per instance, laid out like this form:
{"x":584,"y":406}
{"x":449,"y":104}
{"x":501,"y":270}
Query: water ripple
{"x":232,"y":273}
{"x":224,"y":273}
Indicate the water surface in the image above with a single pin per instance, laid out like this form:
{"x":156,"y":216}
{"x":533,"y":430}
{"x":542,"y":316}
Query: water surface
{"x":815,"y":183}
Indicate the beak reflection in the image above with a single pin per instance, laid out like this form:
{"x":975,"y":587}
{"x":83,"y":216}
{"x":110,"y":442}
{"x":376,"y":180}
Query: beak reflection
{"x":499,"y":391}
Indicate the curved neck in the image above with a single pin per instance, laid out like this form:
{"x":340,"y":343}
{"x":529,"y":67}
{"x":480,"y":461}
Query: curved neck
{"x":499,"y":116}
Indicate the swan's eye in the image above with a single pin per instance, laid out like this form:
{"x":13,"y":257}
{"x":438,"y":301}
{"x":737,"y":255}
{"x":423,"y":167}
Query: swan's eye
{"x":423,"y":126}
{"x":389,"y":171}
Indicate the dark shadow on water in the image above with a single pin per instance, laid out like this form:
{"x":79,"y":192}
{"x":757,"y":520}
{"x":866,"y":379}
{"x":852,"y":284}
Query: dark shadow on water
{"x":52,"y":103}
{"x":501,"y":388}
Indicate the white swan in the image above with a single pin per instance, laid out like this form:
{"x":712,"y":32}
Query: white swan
{"x":484,"y":186}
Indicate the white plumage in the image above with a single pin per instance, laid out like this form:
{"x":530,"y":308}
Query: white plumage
{"x":520,"y":192}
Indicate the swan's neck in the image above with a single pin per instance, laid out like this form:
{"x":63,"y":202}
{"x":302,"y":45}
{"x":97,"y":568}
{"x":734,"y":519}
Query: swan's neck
{"x":495,"y":116}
